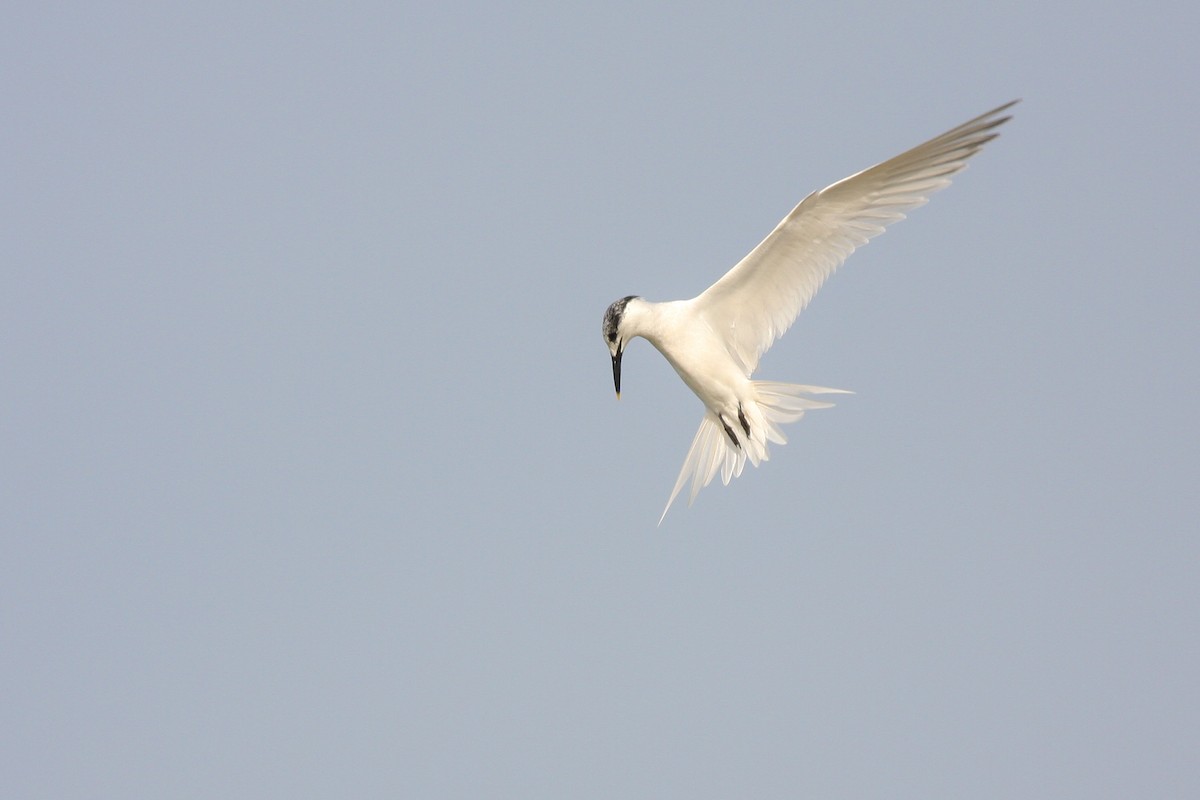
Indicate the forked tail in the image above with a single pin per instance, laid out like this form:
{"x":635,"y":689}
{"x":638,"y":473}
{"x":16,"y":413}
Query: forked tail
{"x":721,"y":446}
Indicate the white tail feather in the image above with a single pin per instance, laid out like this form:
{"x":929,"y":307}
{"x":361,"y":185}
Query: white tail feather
{"x":711,"y":451}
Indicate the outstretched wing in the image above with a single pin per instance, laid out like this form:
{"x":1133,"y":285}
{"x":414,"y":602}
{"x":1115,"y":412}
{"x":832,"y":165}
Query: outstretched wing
{"x":757,"y":300}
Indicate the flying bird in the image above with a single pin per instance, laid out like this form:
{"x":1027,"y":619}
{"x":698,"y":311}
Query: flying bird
{"x":714,"y":340}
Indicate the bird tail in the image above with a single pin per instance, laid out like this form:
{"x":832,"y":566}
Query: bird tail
{"x":713,"y":450}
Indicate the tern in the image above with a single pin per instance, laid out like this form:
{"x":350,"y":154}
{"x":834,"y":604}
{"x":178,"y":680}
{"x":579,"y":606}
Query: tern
{"x":715,"y":340}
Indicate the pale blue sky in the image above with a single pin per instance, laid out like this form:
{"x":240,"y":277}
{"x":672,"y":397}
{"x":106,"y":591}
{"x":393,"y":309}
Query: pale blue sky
{"x":312,"y":482}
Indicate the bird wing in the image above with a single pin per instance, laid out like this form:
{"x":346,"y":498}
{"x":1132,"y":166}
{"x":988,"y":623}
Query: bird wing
{"x":757,"y":301}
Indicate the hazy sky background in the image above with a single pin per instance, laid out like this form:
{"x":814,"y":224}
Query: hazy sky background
{"x":314,"y":485}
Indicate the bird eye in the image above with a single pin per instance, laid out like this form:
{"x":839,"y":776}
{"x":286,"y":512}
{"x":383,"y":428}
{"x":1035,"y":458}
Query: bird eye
{"x":612,"y":336}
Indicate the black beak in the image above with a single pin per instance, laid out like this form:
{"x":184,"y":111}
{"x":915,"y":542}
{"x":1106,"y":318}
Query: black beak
{"x":617,"y":372}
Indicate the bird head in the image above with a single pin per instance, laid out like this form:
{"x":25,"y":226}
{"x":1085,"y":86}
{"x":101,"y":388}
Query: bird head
{"x":616,"y":337}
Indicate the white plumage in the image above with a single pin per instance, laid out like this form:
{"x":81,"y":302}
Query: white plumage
{"x":714,"y":341}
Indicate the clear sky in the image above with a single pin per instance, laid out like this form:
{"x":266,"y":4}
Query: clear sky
{"x":312,"y":480}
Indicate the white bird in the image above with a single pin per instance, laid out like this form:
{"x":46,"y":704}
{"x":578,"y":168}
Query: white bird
{"x":714,"y":340}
